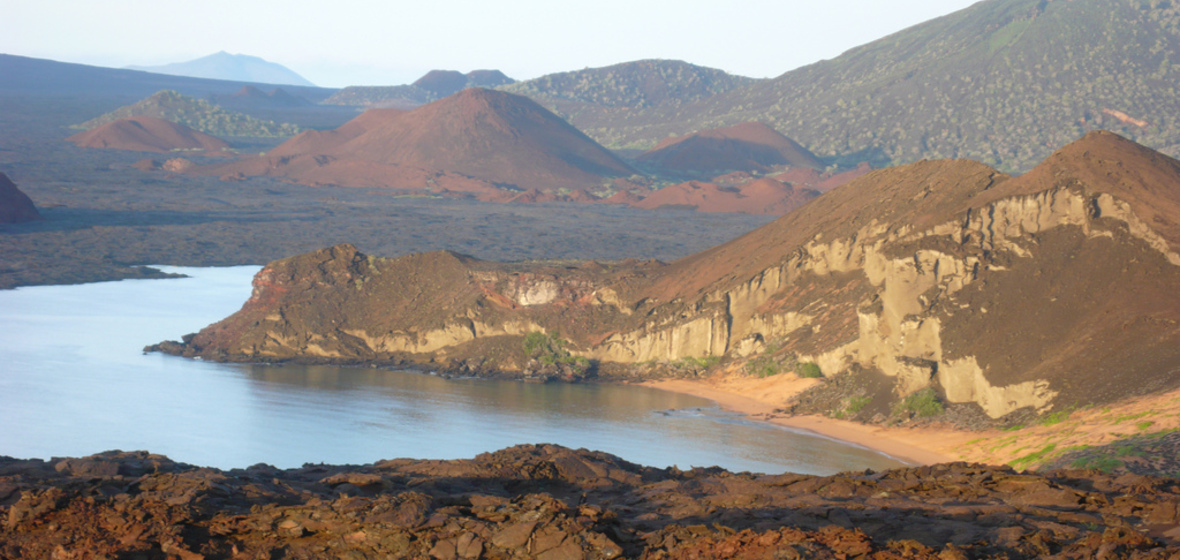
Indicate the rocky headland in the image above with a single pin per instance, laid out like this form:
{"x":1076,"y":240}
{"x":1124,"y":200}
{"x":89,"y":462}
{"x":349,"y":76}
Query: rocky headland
{"x":553,"y":503}
{"x":936,"y":287}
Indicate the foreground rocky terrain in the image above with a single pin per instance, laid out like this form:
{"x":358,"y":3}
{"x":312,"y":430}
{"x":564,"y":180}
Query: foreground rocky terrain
{"x":554,"y":503}
{"x":945,"y":282}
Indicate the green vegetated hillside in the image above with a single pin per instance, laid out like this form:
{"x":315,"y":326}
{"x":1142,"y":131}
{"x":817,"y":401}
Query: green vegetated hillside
{"x":364,"y":96}
{"x":600,"y":100}
{"x":197,"y":114}
{"x":1003,"y":81}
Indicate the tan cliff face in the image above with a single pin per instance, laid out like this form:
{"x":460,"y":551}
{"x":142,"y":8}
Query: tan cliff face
{"x":1053,"y":289}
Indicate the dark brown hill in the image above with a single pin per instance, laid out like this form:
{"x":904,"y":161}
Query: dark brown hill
{"x":433,"y":86}
{"x":993,"y":297}
{"x":253,"y":98}
{"x":486,"y":135}
{"x":488,"y":79}
{"x":147,"y":134}
{"x":810,"y":178}
{"x":760,"y":196}
{"x":15,"y":206}
{"x":442,"y":82}
{"x":750,"y":146}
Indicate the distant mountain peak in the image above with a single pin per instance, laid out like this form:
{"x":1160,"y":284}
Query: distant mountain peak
{"x":222,"y":65}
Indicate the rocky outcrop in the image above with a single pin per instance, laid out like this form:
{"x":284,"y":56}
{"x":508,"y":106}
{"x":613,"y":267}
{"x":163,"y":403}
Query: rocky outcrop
{"x":15,"y":205}
{"x":550,"y":502}
{"x":1036,"y":293}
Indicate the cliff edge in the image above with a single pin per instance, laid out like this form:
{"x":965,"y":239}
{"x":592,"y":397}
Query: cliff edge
{"x":1003,"y":296}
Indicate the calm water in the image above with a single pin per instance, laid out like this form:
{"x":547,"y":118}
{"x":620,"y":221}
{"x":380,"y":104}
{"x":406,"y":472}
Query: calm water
{"x":74,"y":381}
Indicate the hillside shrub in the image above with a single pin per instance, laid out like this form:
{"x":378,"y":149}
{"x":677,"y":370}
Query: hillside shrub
{"x":549,"y":349}
{"x":809,"y":370}
{"x":922,"y":404}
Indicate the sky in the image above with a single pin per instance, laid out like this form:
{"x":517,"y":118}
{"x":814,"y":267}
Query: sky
{"x":389,"y":42}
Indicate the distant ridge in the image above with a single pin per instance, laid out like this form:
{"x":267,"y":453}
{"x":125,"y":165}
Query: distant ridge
{"x":235,"y":67}
{"x":433,"y":86}
{"x":593,"y":97}
{"x":1005,"y":82}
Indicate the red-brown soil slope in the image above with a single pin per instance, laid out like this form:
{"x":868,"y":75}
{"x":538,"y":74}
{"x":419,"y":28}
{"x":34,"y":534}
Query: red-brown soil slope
{"x":823,"y":182}
{"x":750,"y":146}
{"x":250,"y":97}
{"x":1001,"y":298}
{"x":146,"y":134}
{"x":622,"y":197}
{"x":325,"y":141}
{"x":760,"y":196}
{"x":489,"y":136}
{"x":15,"y":206}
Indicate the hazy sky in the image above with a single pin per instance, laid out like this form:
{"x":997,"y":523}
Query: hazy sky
{"x":351,"y":42}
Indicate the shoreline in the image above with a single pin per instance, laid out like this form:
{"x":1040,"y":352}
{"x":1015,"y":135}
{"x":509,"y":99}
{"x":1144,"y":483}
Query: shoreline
{"x":909,"y":445}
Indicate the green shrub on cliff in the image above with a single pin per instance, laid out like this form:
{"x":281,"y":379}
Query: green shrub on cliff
{"x":763,"y":366}
{"x":922,"y":404}
{"x":809,"y":369}
{"x":549,"y":349}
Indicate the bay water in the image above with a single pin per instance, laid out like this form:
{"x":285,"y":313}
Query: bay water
{"x":75,"y":381}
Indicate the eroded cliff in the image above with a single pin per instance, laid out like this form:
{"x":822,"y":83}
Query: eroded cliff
{"x":1049,"y":290}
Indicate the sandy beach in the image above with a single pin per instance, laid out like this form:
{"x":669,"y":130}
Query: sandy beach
{"x":758,"y":399}
{"x":1090,"y":426}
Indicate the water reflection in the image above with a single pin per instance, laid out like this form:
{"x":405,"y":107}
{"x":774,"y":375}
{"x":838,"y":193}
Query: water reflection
{"x":75,"y":382}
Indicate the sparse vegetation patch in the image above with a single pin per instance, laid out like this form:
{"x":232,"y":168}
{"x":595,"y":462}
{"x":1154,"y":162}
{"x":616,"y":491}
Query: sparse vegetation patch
{"x":923,"y":404}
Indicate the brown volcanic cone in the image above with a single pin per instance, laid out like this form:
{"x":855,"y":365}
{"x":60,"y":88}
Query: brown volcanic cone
{"x":486,"y":135}
{"x":622,"y":197}
{"x":327,"y":141}
{"x":822,"y":182}
{"x":760,"y":196}
{"x":750,"y":146}
{"x":15,"y":206}
{"x":999,"y":296}
{"x":146,"y":134}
